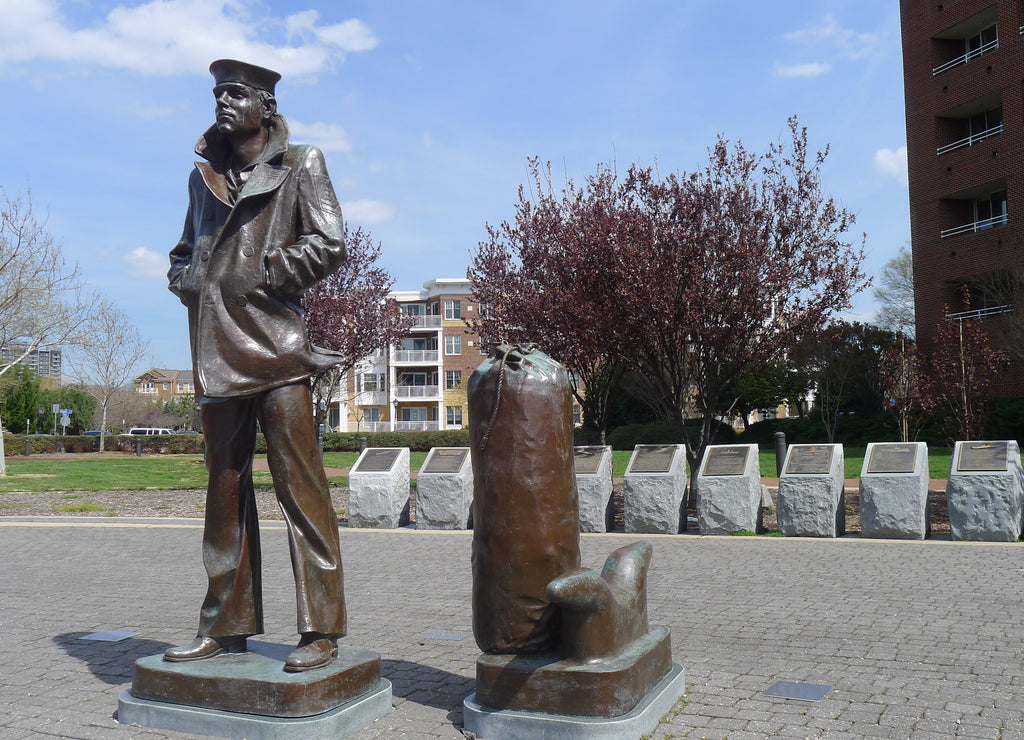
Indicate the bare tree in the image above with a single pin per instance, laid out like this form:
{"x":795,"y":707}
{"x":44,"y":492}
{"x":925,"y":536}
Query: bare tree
{"x":108,"y":358}
{"x":895,"y":293}
{"x":42,"y":296}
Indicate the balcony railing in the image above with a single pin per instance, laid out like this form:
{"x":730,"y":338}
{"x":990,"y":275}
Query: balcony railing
{"x":428,"y":322}
{"x":417,"y":355}
{"x":373,"y":426}
{"x":986,"y":223}
{"x":371,"y":398}
{"x":417,"y":391}
{"x":417,"y":426}
{"x":984,"y":48}
{"x":981,"y":313}
{"x":971,"y":140}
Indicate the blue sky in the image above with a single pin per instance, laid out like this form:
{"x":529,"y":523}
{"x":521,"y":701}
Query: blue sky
{"x":427,"y":112}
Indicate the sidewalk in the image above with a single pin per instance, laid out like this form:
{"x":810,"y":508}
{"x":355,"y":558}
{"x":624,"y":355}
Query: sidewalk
{"x":920,"y":639}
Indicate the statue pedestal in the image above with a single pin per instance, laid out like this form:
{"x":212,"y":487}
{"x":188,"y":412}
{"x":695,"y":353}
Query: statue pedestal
{"x":249,"y":695}
{"x":488,"y":723}
{"x":530,"y":696}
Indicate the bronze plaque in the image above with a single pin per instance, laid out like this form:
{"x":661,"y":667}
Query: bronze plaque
{"x":810,"y":460}
{"x":982,"y":456}
{"x":892,"y":457}
{"x":726,"y":460}
{"x":653,"y":459}
{"x":446,"y":460}
{"x":377,"y":461}
{"x":587,"y":459}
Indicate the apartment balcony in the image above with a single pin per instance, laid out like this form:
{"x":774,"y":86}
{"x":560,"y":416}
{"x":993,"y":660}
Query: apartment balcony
{"x":406,"y":392}
{"x":417,"y":426}
{"x":371,"y":398}
{"x":427,"y":322}
{"x":417,"y":356}
{"x":964,"y":58}
{"x":982,"y":225}
{"x":971,"y":140}
{"x":373,"y":426}
{"x":981,"y":313}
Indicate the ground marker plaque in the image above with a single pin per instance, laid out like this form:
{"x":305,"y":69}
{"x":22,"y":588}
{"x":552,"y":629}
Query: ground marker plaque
{"x":587,"y":460}
{"x":653,"y":459}
{"x":810,"y":460}
{"x":727,"y":460}
{"x":377,"y":460}
{"x":894,"y":457}
{"x":446,"y":460}
{"x":982,"y":456}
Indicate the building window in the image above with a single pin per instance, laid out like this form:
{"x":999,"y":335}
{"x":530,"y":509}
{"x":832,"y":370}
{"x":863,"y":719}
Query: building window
{"x":414,"y":309}
{"x":371,"y":414}
{"x":486,"y":311}
{"x":990,"y":210}
{"x":453,"y":309}
{"x":453,"y":344}
{"x":455,"y":416}
{"x":577,"y":415}
{"x":985,"y":40}
{"x":374,"y":381}
{"x":452,"y":379}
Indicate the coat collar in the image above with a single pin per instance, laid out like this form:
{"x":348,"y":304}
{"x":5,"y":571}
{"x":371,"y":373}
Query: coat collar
{"x":267,"y":175}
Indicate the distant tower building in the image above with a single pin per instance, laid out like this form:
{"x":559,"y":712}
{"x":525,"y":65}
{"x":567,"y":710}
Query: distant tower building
{"x":46,"y":362}
{"x":963,"y":69}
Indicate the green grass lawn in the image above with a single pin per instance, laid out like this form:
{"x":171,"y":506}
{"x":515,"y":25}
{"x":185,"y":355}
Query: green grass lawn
{"x":87,"y":473}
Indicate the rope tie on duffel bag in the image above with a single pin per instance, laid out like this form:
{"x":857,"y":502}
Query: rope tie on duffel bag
{"x":505,"y":351}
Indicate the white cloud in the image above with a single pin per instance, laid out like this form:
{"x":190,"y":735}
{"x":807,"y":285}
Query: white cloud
{"x":145,"y":263}
{"x":168,"y":37}
{"x":811,"y":69}
{"x":892,"y":162}
{"x":828,"y":33}
{"x":328,"y":136}
{"x":367,"y":211}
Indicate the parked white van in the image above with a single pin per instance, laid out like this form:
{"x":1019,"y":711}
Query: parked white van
{"x":147,"y":431}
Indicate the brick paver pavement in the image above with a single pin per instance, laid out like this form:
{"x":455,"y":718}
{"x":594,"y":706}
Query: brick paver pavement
{"x":920,"y":640}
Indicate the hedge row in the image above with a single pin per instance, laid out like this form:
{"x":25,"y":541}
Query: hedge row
{"x":192,"y":444}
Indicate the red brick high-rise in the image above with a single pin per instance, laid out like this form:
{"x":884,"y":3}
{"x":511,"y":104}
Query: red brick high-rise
{"x":963,"y":69}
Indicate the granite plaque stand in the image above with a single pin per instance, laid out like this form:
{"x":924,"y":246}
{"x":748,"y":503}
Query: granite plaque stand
{"x":811,"y":500}
{"x":594,"y":484}
{"x":653,"y":489}
{"x":249,"y":695}
{"x":444,"y":489}
{"x":985,"y":492}
{"x":379,"y":488}
{"x":894,"y":491}
{"x":729,"y":490}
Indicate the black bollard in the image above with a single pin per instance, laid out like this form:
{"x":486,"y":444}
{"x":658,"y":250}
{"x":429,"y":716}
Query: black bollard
{"x":362,"y":443}
{"x":28,"y":447}
{"x":138,"y":448}
{"x":780,"y":452}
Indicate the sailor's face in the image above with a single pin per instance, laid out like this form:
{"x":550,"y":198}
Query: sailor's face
{"x":238,"y":109}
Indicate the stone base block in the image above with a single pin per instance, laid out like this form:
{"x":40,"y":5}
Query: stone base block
{"x":509,"y":724}
{"x":894,"y":507}
{"x":255,"y":682}
{"x":543,"y":683}
{"x":985,"y":508}
{"x":339,"y":722}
